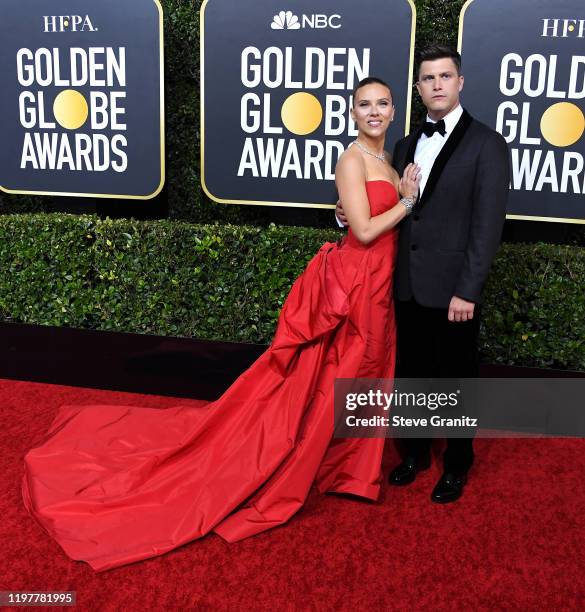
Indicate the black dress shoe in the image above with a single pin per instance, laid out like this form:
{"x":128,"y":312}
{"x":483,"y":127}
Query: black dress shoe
{"x":405,"y":472}
{"x":449,"y":488}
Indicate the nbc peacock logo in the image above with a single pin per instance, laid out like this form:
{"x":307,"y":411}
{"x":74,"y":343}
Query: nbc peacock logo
{"x":285,"y":20}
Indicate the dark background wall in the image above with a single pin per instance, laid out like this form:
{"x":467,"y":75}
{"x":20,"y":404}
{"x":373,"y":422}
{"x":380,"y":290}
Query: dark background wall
{"x":183,"y":199}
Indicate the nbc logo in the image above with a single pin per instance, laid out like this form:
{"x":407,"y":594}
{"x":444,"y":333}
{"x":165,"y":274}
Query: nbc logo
{"x":287,"y":20}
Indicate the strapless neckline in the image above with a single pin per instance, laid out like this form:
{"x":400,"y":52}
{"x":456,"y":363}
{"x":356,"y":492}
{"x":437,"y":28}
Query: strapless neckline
{"x":381,"y":181}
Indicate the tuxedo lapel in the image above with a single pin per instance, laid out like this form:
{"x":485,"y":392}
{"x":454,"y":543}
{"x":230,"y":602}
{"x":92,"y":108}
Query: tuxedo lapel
{"x":443,"y":157}
{"x":412,"y":147}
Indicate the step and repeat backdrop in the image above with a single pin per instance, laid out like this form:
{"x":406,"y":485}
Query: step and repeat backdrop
{"x":524,"y":68}
{"x":81,"y":102}
{"x":82,"y":96}
{"x":276,"y":85}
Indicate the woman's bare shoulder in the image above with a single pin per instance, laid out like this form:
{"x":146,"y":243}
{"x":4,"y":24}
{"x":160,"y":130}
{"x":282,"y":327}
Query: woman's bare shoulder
{"x":350,"y":161}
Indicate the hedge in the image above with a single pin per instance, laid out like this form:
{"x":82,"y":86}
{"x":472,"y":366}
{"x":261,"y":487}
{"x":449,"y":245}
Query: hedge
{"x":228,"y":282}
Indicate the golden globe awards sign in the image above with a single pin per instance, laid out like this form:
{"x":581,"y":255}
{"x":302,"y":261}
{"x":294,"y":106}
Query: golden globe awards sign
{"x":81,"y":103}
{"x":276,"y":83}
{"x":524,"y":68}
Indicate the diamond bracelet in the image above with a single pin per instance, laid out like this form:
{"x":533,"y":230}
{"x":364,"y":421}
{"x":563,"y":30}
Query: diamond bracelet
{"x":408,"y":204}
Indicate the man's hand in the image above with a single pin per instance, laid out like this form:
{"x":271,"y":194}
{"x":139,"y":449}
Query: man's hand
{"x":460,"y":309}
{"x":339,"y":214}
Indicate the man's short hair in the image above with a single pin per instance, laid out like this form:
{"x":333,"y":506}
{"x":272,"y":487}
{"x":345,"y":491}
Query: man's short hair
{"x":437,"y":51}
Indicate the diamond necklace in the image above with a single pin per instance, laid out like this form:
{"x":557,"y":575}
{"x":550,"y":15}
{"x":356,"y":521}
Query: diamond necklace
{"x":381,"y":157}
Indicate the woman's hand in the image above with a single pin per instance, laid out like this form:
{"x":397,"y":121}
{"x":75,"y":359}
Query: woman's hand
{"x":410,"y":181}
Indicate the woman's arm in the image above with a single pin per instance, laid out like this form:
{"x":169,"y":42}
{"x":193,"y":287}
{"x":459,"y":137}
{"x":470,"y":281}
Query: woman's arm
{"x":351,"y":186}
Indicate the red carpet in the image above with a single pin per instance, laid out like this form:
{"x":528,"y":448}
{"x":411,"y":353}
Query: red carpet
{"x":514,"y":542}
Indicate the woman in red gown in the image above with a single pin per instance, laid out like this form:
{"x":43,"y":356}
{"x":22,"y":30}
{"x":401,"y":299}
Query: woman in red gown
{"x":116,"y":484}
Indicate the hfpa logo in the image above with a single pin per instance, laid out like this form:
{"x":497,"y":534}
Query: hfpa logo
{"x":68,"y":23}
{"x":563,"y":28}
{"x":287,"y":20}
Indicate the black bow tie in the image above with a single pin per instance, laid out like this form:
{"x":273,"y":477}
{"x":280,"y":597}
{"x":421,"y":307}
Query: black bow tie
{"x":430,"y":128}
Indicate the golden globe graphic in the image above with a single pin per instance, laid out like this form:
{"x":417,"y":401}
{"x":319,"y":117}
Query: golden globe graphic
{"x":301,"y":113}
{"x":562,"y":124}
{"x":70,"y":109}
{"x":529,"y":84}
{"x":83,"y":110}
{"x":276,"y":86}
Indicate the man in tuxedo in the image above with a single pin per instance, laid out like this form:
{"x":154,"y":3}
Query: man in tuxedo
{"x":446,"y":247}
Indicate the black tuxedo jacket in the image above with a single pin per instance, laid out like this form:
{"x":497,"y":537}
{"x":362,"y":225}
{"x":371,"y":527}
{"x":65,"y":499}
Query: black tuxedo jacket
{"x":446,"y":246}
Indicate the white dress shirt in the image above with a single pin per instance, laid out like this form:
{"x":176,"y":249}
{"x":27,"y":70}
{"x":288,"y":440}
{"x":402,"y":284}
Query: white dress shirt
{"x":427,"y":148}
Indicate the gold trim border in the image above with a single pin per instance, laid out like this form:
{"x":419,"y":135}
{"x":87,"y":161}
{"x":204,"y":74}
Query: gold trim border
{"x":512,"y":217}
{"x":162,"y":137}
{"x":410,"y":66}
{"x":461,"y":18}
{"x":202,"y":117}
{"x":546,"y":219}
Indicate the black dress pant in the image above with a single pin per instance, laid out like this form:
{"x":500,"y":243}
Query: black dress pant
{"x":431,"y":346}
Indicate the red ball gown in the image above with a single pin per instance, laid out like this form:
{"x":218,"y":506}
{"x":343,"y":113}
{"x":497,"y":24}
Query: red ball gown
{"x":116,"y":484}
